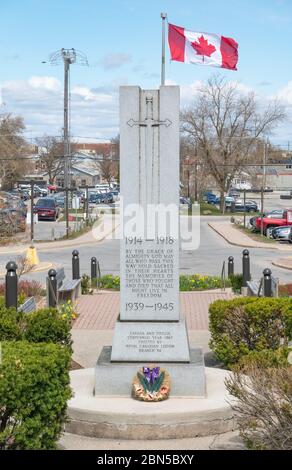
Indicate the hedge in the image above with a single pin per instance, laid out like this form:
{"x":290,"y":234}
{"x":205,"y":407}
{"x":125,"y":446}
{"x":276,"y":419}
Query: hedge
{"x":267,"y":358}
{"x":45,"y":325}
{"x":34,"y":389}
{"x":186,"y":282}
{"x":247,"y":324}
{"x":48,"y":325}
{"x":10,"y":324}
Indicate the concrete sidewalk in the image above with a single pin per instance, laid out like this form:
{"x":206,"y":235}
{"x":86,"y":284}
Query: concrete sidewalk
{"x":100,"y":311}
{"x":104,"y":227}
{"x":226,"y":441}
{"x":285,"y":263}
{"x":235,"y":237}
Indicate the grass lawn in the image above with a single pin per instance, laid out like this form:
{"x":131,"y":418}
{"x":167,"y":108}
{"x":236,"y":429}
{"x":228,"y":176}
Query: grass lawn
{"x":255,"y":235}
{"x":210,"y":209}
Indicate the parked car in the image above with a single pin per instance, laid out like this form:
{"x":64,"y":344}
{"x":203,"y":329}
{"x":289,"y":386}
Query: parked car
{"x":116,"y":194}
{"x":24,"y":194}
{"x":228,"y":201}
{"x":249,"y":206}
{"x":96,"y":198}
{"x":60,"y":199}
{"x":19,"y":194}
{"x":234,"y":193}
{"x":185,"y":201}
{"x":269,"y":222}
{"x":108,"y":198}
{"x":282,"y":233}
{"x":274,"y":214}
{"x":41,"y":192}
{"x":46,"y":208}
{"x":212,"y":199}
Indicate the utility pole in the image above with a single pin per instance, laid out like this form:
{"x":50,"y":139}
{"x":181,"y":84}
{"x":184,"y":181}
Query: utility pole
{"x":31,"y":211}
{"x":263,"y":187}
{"x":196,"y":182}
{"x":68,"y":56}
{"x":67,"y":61}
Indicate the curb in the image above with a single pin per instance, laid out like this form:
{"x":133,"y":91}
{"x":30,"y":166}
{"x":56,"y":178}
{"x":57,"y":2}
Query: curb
{"x":45,"y":266}
{"x":246,"y":245}
{"x":282,"y":265}
{"x":64,"y":244}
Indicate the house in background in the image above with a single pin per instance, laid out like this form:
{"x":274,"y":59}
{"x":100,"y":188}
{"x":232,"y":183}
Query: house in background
{"x":278,"y":175}
{"x":241,"y":181}
{"x":85,"y":168}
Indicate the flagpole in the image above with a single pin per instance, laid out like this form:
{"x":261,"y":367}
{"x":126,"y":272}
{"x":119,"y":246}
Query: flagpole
{"x":163,"y":17}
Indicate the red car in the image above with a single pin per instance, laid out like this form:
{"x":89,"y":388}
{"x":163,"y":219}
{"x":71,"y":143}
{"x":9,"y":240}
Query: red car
{"x":47,"y":209}
{"x":286,"y":219}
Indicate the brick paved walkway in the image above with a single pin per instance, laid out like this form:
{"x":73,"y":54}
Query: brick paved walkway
{"x":100,"y":311}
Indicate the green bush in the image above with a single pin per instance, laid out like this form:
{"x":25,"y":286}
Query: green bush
{"x":200,"y":282}
{"x":109,"y":282}
{"x":49,"y":326}
{"x":186,"y":283}
{"x":247,"y":324}
{"x":236,"y":281}
{"x":264,"y":359}
{"x":11,"y":327}
{"x":86,"y":285}
{"x":45,"y":325}
{"x":34,"y":389}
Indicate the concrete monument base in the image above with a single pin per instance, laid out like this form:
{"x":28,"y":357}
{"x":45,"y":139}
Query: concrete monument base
{"x":126,"y":418}
{"x":139,"y":341}
{"x":115,"y":378}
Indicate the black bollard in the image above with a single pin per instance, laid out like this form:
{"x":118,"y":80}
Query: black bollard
{"x":232,"y":207}
{"x":75,"y":265}
{"x":230,"y":266}
{"x":245,"y":267}
{"x":52,"y":288}
{"x":11,"y":280}
{"x":267,"y":282}
{"x":93,"y":272}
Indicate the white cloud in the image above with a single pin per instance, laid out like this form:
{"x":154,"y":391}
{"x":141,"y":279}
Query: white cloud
{"x":94,"y":111}
{"x":115,"y":61}
{"x":285,"y":94}
{"x":47,"y":83}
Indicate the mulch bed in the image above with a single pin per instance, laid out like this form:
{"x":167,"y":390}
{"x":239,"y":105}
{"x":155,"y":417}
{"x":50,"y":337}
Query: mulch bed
{"x":75,"y":365}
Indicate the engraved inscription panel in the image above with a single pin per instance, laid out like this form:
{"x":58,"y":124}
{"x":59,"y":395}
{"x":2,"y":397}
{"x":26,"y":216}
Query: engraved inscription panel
{"x":149,"y":341}
{"x":150,"y":274}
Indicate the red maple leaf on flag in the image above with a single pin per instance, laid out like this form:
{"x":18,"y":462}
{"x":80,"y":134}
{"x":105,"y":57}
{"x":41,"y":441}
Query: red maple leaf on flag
{"x":203,"y":48}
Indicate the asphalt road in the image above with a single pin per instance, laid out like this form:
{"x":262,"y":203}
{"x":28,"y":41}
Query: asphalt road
{"x":207,"y":259}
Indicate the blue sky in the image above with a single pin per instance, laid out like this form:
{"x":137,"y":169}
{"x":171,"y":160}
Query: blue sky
{"x":122,"y":40}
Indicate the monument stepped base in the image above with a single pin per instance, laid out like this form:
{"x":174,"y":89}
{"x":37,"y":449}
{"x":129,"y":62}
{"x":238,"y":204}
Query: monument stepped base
{"x":115,"y":378}
{"x":125,"y":418}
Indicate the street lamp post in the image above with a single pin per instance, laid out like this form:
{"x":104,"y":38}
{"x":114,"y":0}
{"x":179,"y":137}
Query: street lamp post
{"x":68,"y":57}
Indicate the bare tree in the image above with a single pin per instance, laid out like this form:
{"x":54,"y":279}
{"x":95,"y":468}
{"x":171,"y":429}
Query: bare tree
{"x":51,"y":151}
{"x":115,"y":141}
{"x":193,"y":174}
{"x":14,"y":150}
{"x":225,"y":124}
{"x":107,"y":160}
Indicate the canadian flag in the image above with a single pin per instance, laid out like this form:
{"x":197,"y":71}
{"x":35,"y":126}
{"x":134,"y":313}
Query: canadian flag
{"x":202,"y":48}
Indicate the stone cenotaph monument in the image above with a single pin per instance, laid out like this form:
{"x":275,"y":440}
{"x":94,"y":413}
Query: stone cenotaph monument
{"x":150,"y":330}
